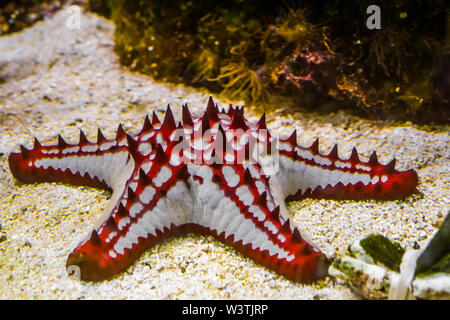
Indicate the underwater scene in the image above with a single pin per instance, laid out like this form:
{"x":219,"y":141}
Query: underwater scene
{"x":224,"y":150}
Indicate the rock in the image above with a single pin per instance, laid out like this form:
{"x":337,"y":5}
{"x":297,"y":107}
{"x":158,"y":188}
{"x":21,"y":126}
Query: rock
{"x":382,"y":250}
{"x":379,"y":269}
{"x":370,"y":280}
{"x":436,"y":286}
{"x":2,"y":237}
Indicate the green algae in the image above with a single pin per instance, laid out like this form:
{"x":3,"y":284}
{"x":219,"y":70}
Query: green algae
{"x":436,"y":257}
{"x":383,"y":251}
{"x":442,"y":265}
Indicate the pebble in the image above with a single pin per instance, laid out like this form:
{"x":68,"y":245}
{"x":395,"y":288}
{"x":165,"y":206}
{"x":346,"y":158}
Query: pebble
{"x":422,"y":235}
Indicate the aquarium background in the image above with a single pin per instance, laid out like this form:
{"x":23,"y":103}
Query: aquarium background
{"x":308,"y":55}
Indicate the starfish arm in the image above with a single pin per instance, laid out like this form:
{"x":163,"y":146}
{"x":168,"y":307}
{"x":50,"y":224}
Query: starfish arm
{"x":304,"y":172}
{"x":237,"y":207}
{"x":152,"y":205}
{"x":92,"y":164}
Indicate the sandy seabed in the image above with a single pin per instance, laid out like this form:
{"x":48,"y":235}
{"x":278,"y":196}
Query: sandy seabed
{"x":58,"y":80}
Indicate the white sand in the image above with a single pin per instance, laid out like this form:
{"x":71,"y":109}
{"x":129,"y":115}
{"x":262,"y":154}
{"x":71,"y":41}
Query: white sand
{"x":59,"y":80}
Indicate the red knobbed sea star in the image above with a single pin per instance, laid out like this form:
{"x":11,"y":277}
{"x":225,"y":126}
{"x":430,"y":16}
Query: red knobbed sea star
{"x":218,"y":175}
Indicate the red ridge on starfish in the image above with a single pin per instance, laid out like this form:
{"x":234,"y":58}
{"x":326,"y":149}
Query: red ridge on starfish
{"x":100,"y":137}
{"x":168,"y":124}
{"x":212,"y":111}
{"x":187,"y":118}
{"x":83,"y":140}
{"x":147,"y":125}
{"x":120,"y":133}
{"x":155,"y":120}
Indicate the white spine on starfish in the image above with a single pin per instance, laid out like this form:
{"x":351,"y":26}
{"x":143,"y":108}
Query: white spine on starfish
{"x":285,"y":146}
{"x":244,"y":194}
{"x":147,"y":166}
{"x":305,"y":154}
{"x":89,"y":148}
{"x":261,"y":186}
{"x":175,"y":159}
{"x":229,"y":157}
{"x":107,"y":145}
{"x":200,"y":144}
{"x":162,"y":177}
{"x":145,"y":148}
{"x":135,"y":209}
{"x":159,"y":138}
{"x":123,"y":223}
{"x":147,"y":194}
{"x":135,"y":232}
{"x":322,"y":161}
{"x":257,"y":212}
{"x":122,"y":244}
{"x":230,"y":176}
{"x":71,"y":150}
{"x":110,"y":236}
{"x":362,"y":167}
{"x":342,"y":165}
{"x":254,"y":170}
{"x":133,"y":185}
{"x":202,"y":171}
{"x":112,"y":254}
{"x":52,"y":151}
{"x":270,"y":226}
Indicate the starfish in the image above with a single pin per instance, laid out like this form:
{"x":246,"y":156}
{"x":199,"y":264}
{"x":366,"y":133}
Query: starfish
{"x":218,"y":174}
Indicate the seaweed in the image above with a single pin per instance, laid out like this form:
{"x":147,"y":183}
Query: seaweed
{"x":204,"y":65}
{"x":314,"y":55}
{"x":239,"y":81}
{"x":442,"y":266}
{"x":383,"y":251}
{"x":436,"y":257}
